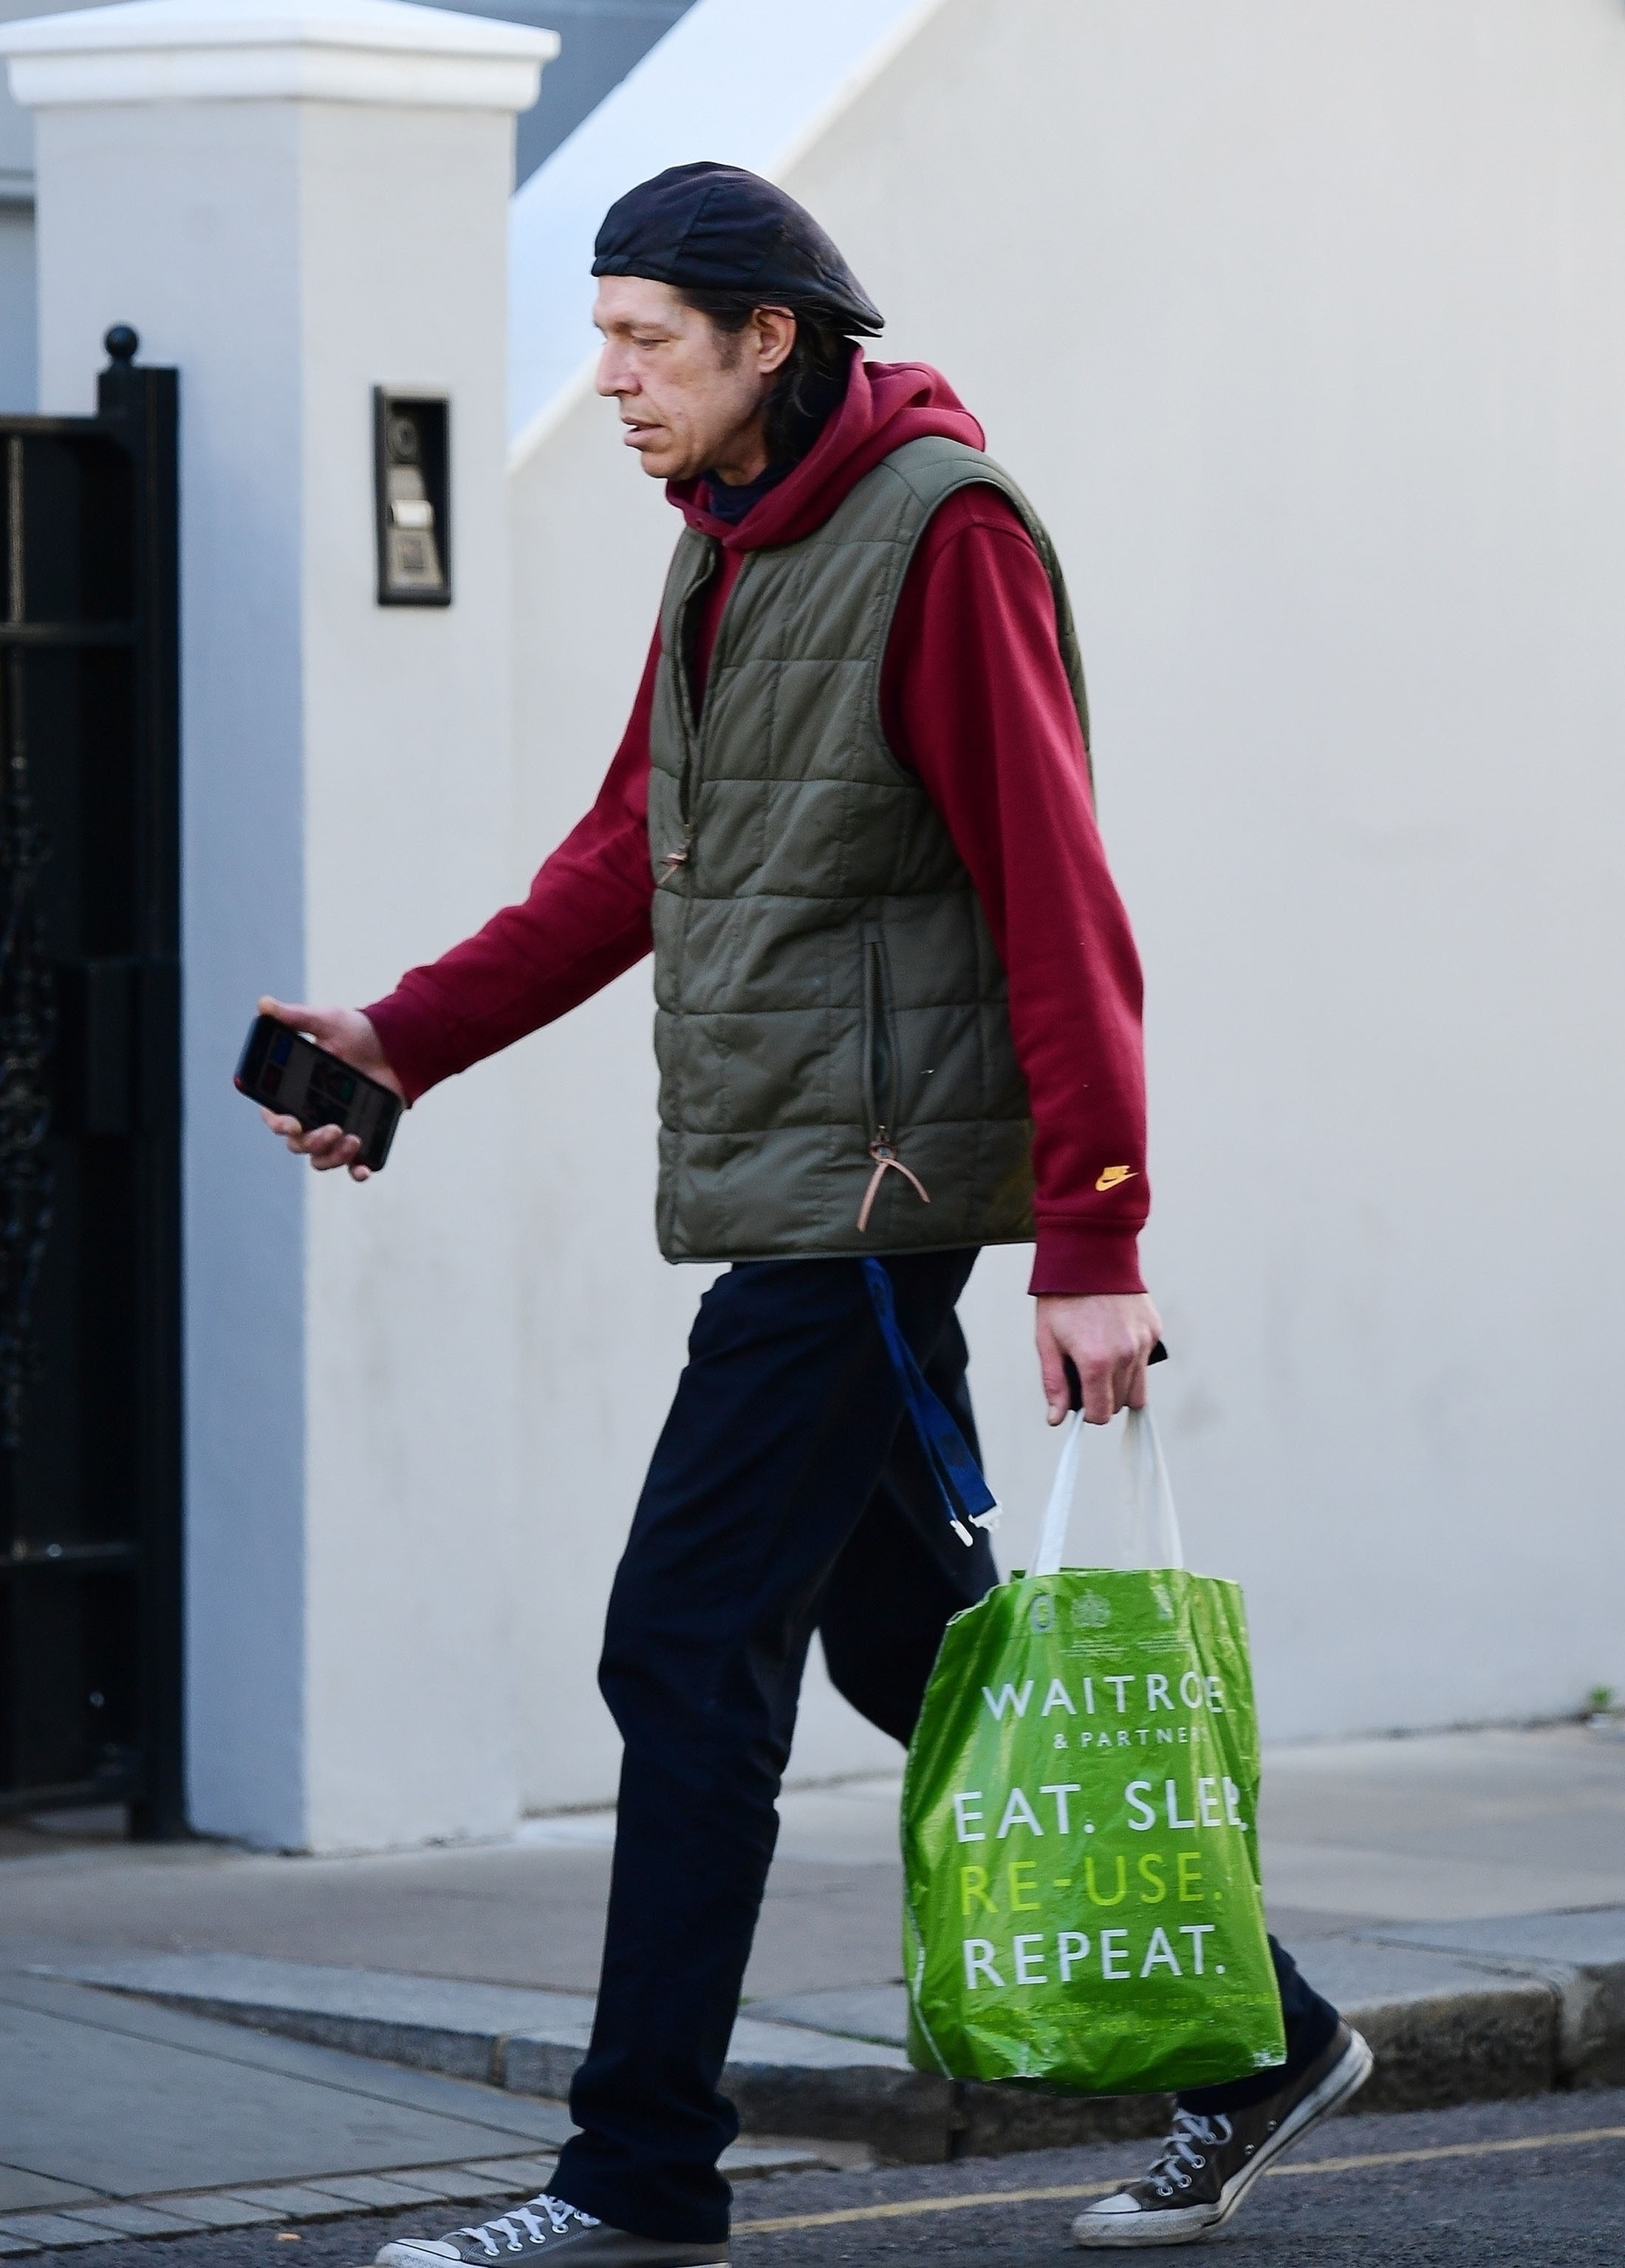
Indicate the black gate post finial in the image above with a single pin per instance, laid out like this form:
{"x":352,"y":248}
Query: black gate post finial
{"x":122,"y":343}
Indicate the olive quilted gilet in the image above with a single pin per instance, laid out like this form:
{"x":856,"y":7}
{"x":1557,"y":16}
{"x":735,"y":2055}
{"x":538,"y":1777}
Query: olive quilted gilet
{"x":836,"y":1067}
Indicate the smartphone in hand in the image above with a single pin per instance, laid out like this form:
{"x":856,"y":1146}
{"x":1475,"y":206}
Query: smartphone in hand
{"x":280,"y":1068}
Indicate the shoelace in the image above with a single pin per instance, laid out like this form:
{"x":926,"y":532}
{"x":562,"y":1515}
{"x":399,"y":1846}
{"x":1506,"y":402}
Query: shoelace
{"x":558,"y":2213}
{"x":1181,"y":2156}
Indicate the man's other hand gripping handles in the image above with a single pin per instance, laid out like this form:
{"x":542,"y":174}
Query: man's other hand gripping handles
{"x":1074,"y":1384}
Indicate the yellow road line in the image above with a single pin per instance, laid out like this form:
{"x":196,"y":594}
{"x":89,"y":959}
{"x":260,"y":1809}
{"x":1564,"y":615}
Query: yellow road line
{"x":901,"y":2209}
{"x":920,"y":2205}
{"x":1454,"y":2150}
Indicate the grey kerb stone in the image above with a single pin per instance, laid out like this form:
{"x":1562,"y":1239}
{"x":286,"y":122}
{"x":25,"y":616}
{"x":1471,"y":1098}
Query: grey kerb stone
{"x":1457,"y":2013}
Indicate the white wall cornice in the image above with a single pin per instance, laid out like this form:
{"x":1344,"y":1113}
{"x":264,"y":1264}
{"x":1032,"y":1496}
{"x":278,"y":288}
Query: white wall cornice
{"x":361,"y":51}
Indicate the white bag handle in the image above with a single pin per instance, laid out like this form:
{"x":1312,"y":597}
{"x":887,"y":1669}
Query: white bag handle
{"x":1153,"y":1540}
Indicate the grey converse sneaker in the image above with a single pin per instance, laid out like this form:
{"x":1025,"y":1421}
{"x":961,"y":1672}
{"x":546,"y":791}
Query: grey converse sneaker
{"x":549,"y":2227}
{"x":1207,"y":2165}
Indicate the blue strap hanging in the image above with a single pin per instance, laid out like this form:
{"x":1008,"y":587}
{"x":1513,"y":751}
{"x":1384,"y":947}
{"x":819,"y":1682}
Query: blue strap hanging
{"x":968,"y":1500}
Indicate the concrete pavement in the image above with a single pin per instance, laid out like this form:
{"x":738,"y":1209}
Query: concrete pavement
{"x":1444,"y":1827}
{"x":333,"y":2022}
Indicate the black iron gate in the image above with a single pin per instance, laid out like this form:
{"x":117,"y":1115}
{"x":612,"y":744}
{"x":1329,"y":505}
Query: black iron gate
{"x":90,"y":1083}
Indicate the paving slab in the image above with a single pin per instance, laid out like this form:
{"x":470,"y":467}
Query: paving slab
{"x":377,"y":2190}
{"x":456,"y":2186}
{"x":865,"y":2012}
{"x":509,"y":2177}
{"x":442,"y":2024}
{"x":296,"y":2201}
{"x":1593,"y":1938}
{"x":217,"y":2212}
{"x":1364,"y":1972}
{"x":52,"y":2230}
{"x":131,"y":2101}
{"x":395,"y":1996}
{"x":515,"y":2125}
{"x":21,"y":2191}
{"x":135,"y":2219}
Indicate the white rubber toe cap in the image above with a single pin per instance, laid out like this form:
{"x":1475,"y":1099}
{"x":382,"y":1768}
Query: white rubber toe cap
{"x":1120,"y":2202}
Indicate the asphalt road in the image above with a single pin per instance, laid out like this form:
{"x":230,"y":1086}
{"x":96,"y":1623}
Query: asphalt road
{"x":1528,"y":2184}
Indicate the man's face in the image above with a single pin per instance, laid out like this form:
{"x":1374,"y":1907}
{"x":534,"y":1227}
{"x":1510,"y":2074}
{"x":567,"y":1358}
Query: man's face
{"x":690,"y":396}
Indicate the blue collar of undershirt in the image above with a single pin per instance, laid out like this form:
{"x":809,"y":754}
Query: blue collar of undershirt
{"x":726,"y":503}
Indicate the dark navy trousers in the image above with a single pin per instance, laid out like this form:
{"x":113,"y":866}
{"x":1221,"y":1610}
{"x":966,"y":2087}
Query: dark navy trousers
{"x":784,"y":1496}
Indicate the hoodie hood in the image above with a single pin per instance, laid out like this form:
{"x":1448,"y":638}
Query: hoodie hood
{"x":886,"y":404}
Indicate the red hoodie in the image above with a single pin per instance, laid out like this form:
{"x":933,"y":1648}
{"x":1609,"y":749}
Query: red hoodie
{"x":976,"y":701}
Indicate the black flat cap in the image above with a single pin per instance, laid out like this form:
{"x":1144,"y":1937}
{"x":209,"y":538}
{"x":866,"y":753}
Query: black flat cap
{"x":718,"y":228}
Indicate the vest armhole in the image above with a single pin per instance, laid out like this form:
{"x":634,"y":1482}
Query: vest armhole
{"x":983,"y":473}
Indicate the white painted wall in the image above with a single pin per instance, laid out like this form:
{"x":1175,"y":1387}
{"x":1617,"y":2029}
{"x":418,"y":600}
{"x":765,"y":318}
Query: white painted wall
{"x":291,"y":206}
{"x":1302,"y":325}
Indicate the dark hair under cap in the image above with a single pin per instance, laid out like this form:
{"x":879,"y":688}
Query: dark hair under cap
{"x":717,"y":228}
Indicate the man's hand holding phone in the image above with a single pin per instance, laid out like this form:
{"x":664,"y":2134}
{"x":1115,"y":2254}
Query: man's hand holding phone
{"x":345,"y":1032}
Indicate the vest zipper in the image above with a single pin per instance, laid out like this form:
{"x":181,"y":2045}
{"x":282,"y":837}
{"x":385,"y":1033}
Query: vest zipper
{"x":679,"y":658}
{"x":879,"y":1035}
{"x":881,"y":1075}
{"x":694,"y":716}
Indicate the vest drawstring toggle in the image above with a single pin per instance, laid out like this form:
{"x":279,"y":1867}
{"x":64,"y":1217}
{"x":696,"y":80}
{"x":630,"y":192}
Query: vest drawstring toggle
{"x":886,"y":1160}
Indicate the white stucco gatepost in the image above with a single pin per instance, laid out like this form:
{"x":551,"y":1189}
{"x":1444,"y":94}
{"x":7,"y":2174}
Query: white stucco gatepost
{"x":294,"y":201}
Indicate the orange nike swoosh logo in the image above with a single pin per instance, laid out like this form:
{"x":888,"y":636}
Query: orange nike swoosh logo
{"x":1115,"y":1176}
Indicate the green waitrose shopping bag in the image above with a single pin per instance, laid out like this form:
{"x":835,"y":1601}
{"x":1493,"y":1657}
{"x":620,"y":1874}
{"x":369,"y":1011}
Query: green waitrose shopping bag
{"x":1082,"y":1889}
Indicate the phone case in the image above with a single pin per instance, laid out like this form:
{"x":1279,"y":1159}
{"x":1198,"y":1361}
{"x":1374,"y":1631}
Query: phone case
{"x":282,"y":1069}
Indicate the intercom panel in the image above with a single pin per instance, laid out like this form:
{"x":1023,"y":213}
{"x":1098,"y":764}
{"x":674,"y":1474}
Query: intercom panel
{"x":412,"y":441}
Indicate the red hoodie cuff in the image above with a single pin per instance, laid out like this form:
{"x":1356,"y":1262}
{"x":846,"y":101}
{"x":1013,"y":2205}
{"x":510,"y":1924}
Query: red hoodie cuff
{"x":1073,"y":1263}
{"x":418,"y":1040}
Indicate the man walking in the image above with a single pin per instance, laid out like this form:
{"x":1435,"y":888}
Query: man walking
{"x":897,"y":1017}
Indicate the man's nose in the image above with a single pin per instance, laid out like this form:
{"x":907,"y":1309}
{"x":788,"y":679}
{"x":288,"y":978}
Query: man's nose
{"x":613,"y":376}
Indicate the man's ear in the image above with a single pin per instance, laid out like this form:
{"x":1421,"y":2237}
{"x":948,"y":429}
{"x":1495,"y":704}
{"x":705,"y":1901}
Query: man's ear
{"x":775,"y":333}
